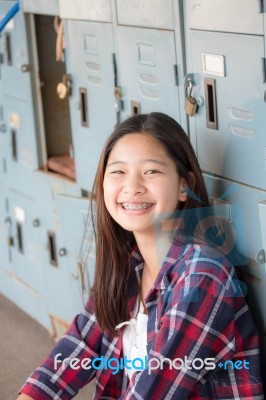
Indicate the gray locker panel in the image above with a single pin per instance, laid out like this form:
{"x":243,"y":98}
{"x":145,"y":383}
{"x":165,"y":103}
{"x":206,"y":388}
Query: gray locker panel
{"x":48,"y":7}
{"x":56,"y":282}
{"x":147,"y":13}
{"x":93,"y":117}
{"x":15,"y":82}
{"x":247,"y":212}
{"x":237,"y":149}
{"x":28,"y":242}
{"x":73,"y":214}
{"x":90,"y":10}
{"x":239,"y":16}
{"x":146,"y":59}
{"x":22,"y":281}
{"x":21,"y":153}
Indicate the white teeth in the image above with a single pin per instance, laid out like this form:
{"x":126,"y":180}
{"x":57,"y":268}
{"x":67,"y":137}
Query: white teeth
{"x":140,"y":206}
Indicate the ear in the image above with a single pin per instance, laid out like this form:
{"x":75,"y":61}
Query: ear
{"x":182,"y":190}
{"x":184,"y":185}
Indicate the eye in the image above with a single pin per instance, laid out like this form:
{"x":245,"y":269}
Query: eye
{"x":152,"y":172}
{"x":118,"y":171}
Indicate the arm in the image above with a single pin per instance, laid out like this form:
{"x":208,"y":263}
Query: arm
{"x":198,"y":322}
{"x":54,"y":377}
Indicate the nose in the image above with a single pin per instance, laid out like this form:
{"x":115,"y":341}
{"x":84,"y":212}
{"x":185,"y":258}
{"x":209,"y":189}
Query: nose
{"x":133,"y":184}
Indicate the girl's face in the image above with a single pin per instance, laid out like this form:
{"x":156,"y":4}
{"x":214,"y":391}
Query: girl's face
{"x":140,"y":182}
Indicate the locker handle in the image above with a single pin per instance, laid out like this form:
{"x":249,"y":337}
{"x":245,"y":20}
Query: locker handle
{"x":83,"y":106}
{"x":8,"y":49}
{"x":211,"y":104}
{"x":52,"y":248}
{"x":19,"y":237}
{"x":14,"y":145}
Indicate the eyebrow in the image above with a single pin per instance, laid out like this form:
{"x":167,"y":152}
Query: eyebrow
{"x":144,"y":161}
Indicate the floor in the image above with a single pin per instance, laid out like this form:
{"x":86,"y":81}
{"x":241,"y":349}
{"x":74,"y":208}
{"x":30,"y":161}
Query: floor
{"x":23,"y":344}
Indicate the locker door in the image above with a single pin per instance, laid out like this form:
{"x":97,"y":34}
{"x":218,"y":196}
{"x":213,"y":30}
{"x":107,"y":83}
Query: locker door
{"x":20,"y":153}
{"x":15,"y":78}
{"x":235,"y":147}
{"x":22,"y":281}
{"x":73,"y":213}
{"x":90,"y":62}
{"x":48,"y":7}
{"x":247,"y":213}
{"x":146,"y":71}
{"x":242,"y":16}
{"x":28,"y":241}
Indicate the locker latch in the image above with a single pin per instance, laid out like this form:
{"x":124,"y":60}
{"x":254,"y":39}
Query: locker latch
{"x":25,"y":68}
{"x":10,"y":239}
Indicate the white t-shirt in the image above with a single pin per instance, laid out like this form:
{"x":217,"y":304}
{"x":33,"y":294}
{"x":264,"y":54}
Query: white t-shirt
{"x":134,"y":338}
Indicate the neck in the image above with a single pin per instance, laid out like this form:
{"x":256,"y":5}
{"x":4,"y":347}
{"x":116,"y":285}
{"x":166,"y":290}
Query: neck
{"x":153,"y":249}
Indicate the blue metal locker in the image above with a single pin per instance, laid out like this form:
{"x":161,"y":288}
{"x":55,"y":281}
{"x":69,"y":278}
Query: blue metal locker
{"x":236,"y":147}
{"x":93,"y":115}
{"x":147,"y":71}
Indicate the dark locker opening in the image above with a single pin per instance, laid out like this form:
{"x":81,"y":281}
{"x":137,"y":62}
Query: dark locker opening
{"x":56,"y":115}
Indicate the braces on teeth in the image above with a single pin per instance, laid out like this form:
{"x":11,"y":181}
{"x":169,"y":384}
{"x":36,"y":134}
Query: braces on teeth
{"x":136,"y":206}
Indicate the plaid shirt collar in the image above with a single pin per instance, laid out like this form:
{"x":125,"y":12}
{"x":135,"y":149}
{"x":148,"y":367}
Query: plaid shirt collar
{"x":175,"y":253}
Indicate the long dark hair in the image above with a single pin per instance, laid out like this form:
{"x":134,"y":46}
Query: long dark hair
{"x":113,"y":243}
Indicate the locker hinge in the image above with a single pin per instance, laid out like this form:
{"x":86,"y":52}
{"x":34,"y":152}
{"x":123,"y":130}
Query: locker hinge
{"x":176,"y":75}
{"x":118,"y":102}
{"x":263,"y":69}
{"x":260,"y":6}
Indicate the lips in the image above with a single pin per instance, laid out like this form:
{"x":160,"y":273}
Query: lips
{"x":136,"y":206}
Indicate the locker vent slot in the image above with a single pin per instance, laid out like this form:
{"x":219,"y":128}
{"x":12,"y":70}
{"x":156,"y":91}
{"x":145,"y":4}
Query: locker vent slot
{"x":211,"y":105}
{"x":135,"y":108}
{"x":52,"y":248}
{"x":83,"y":106}
{"x":14,"y":145}
{"x":19,"y":236}
{"x":8,"y":49}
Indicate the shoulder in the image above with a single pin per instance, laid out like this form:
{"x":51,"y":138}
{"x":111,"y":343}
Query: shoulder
{"x":200,"y":262}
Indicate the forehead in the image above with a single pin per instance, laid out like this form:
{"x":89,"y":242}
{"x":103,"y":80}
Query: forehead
{"x":134,"y":144}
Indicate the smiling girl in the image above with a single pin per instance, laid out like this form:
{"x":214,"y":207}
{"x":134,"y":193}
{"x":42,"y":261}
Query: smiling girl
{"x":163,"y":288}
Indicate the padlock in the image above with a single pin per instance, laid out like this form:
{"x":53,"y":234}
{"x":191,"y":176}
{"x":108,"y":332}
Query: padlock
{"x":191,"y":106}
{"x":64,"y":87}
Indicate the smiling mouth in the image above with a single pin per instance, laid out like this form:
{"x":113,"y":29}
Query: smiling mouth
{"x":140,"y":206}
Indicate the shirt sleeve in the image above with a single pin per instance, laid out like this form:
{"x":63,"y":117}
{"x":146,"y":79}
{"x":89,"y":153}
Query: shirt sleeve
{"x":67,"y":369}
{"x":197,"y":323}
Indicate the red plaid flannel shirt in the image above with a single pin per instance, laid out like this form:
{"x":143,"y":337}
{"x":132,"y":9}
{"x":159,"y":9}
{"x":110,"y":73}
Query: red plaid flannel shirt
{"x":196,"y":309}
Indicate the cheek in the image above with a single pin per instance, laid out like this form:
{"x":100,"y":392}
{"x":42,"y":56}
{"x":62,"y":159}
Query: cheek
{"x":169,"y":193}
{"x":110,"y":192}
